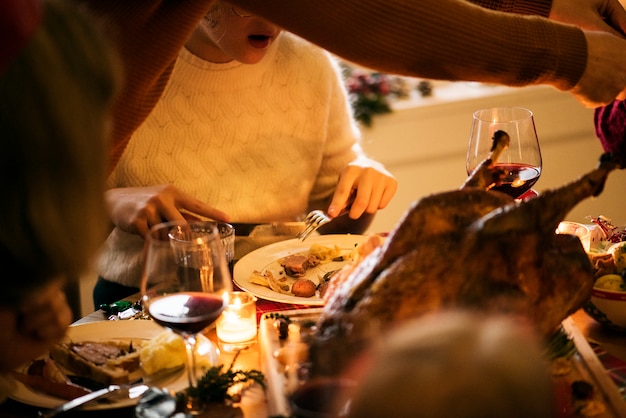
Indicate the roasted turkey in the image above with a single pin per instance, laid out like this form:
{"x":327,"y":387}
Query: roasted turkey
{"x":470,"y":248}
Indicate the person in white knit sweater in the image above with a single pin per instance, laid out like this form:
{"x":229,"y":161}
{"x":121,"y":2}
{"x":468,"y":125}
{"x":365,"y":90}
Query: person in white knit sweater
{"x":254,"y":126}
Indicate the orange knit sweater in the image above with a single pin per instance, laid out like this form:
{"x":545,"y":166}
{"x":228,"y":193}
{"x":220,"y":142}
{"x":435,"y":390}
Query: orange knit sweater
{"x":436,"y":39}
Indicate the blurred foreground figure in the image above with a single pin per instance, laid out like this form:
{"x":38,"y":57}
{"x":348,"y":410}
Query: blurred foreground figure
{"x":57,"y":80}
{"x":456,"y":364}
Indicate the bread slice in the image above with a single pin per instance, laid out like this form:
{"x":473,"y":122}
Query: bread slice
{"x":107,"y":362}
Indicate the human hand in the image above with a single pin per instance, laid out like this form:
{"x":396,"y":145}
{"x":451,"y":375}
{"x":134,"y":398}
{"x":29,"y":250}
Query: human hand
{"x":604,"y":78}
{"x":605,"y":15}
{"x":373,"y":184}
{"x":38,"y":323}
{"x":137,"y":209}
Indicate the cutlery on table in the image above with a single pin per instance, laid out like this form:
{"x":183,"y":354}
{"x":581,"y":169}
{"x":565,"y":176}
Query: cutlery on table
{"x":117,"y":391}
{"x":316,"y":218}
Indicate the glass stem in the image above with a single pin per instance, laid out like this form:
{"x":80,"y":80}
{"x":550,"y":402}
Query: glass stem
{"x":193,"y":404}
{"x":190,"y":345}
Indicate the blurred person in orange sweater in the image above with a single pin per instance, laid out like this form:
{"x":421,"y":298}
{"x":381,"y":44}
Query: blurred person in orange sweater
{"x":573,"y":46}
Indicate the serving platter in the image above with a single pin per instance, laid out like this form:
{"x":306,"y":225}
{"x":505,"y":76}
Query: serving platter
{"x":94,"y":331}
{"x":266,"y":259}
{"x":584,"y":361}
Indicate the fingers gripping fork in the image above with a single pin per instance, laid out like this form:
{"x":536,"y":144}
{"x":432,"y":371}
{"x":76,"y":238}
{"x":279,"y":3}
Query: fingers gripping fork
{"x":312,"y":222}
{"x":316,"y":218}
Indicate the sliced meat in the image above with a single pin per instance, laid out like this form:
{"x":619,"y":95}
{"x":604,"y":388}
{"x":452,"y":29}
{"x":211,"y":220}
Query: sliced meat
{"x":296,"y":265}
{"x":97,"y":353}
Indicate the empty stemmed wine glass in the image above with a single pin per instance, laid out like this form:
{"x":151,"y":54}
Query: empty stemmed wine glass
{"x":185,"y":277}
{"x":521,"y":161}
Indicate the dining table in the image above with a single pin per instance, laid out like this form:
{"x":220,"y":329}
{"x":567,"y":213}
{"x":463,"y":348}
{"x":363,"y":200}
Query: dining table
{"x":252,"y":405}
{"x":608,"y":345}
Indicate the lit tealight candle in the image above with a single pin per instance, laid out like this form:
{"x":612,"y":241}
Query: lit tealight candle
{"x":236,"y":326}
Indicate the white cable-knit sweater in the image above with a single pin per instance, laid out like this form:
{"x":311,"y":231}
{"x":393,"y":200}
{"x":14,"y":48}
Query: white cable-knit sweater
{"x":262,"y":142}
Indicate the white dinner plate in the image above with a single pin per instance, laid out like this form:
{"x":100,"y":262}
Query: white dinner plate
{"x":266,"y":258}
{"x":94,"y":331}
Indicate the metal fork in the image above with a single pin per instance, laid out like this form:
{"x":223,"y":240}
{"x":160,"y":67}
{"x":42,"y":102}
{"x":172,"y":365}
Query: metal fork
{"x":316,"y":218}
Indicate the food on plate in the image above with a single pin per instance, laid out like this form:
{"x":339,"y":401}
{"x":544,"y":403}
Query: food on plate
{"x":613,"y":282}
{"x":602,"y":264}
{"x":337,"y":277}
{"x":260,"y":278}
{"x":618,"y":251}
{"x":303,"y":288}
{"x":296,"y":265}
{"x":167,"y":351}
{"x":267,"y":279}
{"x":327,"y":254}
{"x":609,"y":259}
{"x":304,"y":274}
{"x":608,"y":297}
{"x":107,"y":362}
{"x":44,"y":375}
{"x":116,"y":361}
{"x":507,"y":259}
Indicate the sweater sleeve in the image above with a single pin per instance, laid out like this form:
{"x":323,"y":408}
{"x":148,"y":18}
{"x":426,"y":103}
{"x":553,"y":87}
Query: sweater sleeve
{"x":610,"y":124}
{"x":149,"y":34}
{"x":435,"y":39}
{"x":525,"y":7}
{"x":439,"y":39}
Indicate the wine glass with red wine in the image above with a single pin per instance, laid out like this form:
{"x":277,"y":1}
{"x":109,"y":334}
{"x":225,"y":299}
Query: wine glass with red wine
{"x":521,"y":161}
{"x":184,"y":280}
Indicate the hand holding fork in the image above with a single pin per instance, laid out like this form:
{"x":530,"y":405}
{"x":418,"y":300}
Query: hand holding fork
{"x":374,"y":183}
{"x":316,"y":218}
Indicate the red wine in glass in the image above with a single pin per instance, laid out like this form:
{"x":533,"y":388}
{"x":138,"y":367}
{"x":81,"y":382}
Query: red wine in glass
{"x":186,"y":312}
{"x":184,"y":283}
{"x":519,"y":178}
{"x":520,"y":161}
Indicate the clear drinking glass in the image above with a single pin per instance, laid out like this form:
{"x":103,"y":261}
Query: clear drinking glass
{"x":185,"y":280}
{"x":521,"y":160}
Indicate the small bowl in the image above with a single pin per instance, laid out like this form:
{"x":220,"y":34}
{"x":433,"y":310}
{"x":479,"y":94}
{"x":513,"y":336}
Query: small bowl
{"x":608,"y":308}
